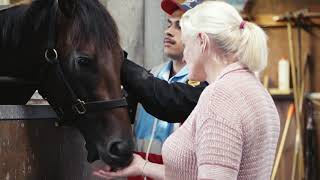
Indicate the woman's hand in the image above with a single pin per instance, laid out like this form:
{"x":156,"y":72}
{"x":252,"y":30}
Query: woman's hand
{"x":134,"y":169}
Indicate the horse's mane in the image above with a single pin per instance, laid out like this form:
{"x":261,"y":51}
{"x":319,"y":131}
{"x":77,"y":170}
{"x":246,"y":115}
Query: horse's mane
{"x":11,"y":21}
{"x":91,"y":23}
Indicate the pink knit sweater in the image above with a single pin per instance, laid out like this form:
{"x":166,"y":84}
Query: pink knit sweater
{"x":231,"y":134}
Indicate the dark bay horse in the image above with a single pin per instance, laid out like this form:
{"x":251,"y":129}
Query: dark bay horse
{"x":69,"y":50}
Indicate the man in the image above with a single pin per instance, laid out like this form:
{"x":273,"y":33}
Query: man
{"x":150,"y":131}
{"x":172,"y":102}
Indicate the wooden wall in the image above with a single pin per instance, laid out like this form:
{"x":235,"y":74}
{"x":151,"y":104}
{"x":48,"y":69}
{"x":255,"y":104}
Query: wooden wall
{"x":37,"y":150}
{"x":278,"y":37}
{"x":278,"y":48}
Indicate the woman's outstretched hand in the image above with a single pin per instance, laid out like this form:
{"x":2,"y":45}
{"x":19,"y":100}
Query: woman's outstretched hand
{"x":134,"y":169}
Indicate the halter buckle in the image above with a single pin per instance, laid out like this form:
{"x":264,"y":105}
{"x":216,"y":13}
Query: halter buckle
{"x":79,"y":107}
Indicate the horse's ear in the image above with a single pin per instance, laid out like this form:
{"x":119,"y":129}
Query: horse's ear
{"x":68,"y":7}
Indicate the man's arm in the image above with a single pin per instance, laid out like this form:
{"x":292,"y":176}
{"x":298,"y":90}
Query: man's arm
{"x":173,"y":102}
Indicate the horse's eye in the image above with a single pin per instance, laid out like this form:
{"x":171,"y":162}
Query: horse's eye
{"x":84,"y":61}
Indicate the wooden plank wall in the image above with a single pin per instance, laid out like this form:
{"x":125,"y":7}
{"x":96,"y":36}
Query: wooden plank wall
{"x":278,"y":38}
{"x":278,"y":48}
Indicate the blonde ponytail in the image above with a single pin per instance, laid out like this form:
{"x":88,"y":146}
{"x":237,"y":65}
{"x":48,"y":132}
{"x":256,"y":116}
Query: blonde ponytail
{"x":253,"y":50}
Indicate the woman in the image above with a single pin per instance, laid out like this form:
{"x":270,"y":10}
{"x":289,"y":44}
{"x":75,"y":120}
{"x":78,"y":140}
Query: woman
{"x":233,"y":131}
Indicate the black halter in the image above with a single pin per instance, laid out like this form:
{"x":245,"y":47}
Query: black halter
{"x":79,"y":107}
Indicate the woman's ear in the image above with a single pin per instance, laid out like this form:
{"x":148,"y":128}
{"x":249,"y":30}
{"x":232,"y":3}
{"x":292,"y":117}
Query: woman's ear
{"x":204,"y":42}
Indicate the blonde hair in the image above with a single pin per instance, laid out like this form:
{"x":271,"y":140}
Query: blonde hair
{"x":222,"y":23}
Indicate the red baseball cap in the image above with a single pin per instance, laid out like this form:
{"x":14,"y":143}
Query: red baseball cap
{"x":169,"y":6}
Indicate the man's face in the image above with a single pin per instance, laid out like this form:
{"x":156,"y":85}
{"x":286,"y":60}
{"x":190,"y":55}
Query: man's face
{"x":173,"y":46}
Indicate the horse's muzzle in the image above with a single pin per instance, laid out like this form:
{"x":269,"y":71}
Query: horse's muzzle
{"x":118,"y":153}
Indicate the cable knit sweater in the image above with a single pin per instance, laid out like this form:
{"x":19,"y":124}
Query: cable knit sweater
{"x":231,"y":134}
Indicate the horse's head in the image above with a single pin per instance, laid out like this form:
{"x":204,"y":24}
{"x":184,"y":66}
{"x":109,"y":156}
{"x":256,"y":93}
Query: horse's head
{"x":81,"y":78}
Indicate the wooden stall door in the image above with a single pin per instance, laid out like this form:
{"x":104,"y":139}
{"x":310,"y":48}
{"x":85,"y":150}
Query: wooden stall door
{"x":36,"y":150}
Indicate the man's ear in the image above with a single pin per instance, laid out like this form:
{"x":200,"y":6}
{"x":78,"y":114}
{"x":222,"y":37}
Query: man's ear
{"x":68,"y":7}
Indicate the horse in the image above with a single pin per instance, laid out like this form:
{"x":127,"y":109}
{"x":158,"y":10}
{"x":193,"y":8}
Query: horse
{"x":69,"y":51}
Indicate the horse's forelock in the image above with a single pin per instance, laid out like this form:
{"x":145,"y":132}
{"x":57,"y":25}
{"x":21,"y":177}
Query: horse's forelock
{"x":92,"y":23}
